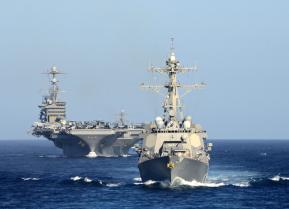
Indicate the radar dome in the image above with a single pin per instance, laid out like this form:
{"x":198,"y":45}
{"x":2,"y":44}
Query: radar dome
{"x":159,"y":122}
{"x":188,"y":118}
{"x":173,"y":57}
{"x":187,"y":124}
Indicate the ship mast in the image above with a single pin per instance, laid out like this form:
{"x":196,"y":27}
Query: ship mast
{"x":172,"y":105}
{"x":54,"y":89}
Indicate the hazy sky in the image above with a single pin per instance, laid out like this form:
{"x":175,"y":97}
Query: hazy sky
{"x":105,"y":47}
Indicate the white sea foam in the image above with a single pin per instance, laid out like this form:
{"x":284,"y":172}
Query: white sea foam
{"x":84,"y":179}
{"x":217,"y":178}
{"x":126,"y":155}
{"x":278,"y":178}
{"x":113,"y":184}
{"x":87,"y":180}
{"x":30,"y":179}
{"x":181,"y":182}
{"x":242,"y":184}
{"x":75,"y":178}
{"x":149,"y":182}
{"x":50,"y":156}
{"x":232,"y":176}
{"x":137,"y":179}
{"x":91,"y":155}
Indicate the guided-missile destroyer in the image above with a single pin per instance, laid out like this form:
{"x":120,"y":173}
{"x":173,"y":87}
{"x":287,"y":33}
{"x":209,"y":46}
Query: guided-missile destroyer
{"x":76,"y":138}
{"x":173,"y":146}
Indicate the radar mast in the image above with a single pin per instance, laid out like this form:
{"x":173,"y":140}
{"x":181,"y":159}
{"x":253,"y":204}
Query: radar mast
{"x":172,"y":104}
{"x":54,"y":89}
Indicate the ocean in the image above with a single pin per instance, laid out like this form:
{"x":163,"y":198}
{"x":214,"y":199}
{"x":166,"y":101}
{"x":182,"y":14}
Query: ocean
{"x":243,"y":174}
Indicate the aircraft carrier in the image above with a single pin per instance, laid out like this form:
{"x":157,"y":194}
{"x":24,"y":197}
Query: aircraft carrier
{"x":174,"y":147}
{"x":87,"y":138}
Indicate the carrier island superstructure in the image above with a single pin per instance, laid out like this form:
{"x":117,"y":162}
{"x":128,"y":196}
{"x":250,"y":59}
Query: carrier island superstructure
{"x":173,"y":146}
{"x":88,"y":138}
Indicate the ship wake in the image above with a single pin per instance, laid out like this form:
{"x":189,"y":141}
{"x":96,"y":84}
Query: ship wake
{"x":236,"y":179}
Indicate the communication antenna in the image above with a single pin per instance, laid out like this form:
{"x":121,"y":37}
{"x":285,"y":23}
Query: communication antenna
{"x":172,"y":44}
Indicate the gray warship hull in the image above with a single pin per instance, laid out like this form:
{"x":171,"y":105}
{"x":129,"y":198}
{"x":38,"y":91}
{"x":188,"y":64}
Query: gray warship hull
{"x":104,"y":143}
{"x":169,"y":168}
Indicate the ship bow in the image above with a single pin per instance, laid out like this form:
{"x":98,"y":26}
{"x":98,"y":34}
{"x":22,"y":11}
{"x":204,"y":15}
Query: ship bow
{"x":168,"y":168}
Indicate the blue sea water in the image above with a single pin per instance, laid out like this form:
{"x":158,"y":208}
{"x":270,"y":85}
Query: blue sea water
{"x":243,"y":174}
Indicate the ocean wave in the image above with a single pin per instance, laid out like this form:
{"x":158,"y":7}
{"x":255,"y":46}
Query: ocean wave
{"x":279,"y":178}
{"x":242,"y":184}
{"x":113,"y":184}
{"x":91,"y":155}
{"x":179,"y":182}
{"x":182,"y":182}
{"x":223,"y":178}
{"x":75,"y":178}
{"x":30,"y":179}
{"x":150,"y":182}
{"x":231,"y":177}
{"x":125,"y":155}
{"x":51,"y":156}
{"x":85,"y":180}
{"x":155,"y":184}
{"x":137,"y":179}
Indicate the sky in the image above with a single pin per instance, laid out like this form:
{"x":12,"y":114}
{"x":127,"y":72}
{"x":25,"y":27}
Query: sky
{"x":105,"y":47}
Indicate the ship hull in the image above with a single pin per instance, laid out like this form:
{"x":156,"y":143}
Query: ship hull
{"x":82,"y":145}
{"x":169,"y":168}
{"x":92,"y":145}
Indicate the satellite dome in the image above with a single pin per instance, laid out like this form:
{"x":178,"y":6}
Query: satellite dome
{"x":159,"y":122}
